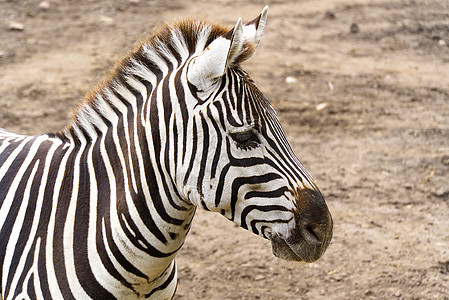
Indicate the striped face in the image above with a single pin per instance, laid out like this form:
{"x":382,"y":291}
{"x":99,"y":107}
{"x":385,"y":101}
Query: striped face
{"x":241,"y":164}
{"x":246,"y":170}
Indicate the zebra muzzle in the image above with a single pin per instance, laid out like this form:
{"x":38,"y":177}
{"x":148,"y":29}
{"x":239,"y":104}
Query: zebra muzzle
{"x":312,"y":233}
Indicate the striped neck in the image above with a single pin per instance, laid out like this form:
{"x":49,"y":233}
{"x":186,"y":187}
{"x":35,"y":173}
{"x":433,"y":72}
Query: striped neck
{"x":130,"y":124}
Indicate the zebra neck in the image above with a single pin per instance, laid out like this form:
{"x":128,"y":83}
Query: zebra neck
{"x":125,"y":122}
{"x":136,"y":211}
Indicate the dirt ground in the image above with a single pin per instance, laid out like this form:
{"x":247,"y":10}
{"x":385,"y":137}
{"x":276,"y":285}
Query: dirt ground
{"x":362,"y":89}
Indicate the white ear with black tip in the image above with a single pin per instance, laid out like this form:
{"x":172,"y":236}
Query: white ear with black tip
{"x":225,"y":51}
{"x":253,"y":30}
{"x":212,"y":62}
{"x":251,"y":36}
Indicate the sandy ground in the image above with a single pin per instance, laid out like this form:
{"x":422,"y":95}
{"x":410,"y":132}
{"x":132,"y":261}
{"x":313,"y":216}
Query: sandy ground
{"x":365,"y":106}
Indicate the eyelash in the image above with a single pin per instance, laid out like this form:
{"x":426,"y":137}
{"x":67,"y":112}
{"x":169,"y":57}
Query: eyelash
{"x":246,"y":140}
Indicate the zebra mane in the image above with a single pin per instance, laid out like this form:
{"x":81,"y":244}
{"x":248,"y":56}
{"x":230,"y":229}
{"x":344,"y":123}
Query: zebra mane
{"x":186,"y":36}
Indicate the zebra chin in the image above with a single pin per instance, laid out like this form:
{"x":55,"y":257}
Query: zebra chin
{"x":302,"y":251}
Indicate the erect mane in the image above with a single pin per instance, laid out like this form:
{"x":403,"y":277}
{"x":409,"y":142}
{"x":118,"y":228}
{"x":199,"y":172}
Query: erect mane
{"x":159,"y":41}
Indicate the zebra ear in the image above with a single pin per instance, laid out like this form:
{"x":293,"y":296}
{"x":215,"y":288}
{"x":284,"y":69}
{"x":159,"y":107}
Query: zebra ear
{"x":204,"y":69}
{"x":246,"y":38}
{"x":255,"y":28}
{"x":234,"y":47}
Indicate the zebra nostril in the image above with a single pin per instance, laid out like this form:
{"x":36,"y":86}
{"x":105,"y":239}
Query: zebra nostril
{"x":313,"y":220}
{"x":312,"y":234}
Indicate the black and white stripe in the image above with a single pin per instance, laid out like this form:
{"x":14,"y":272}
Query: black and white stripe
{"x":100,"y":209}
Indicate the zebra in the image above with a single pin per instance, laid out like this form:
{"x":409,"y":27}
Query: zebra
{"x":100,"y":209}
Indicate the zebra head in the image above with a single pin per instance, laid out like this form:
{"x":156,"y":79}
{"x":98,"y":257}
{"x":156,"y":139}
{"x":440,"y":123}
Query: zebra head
{"x":241,"y":164}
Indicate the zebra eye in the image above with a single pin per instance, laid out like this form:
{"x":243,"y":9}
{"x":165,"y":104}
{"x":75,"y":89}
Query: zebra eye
{"x":246,"y":140}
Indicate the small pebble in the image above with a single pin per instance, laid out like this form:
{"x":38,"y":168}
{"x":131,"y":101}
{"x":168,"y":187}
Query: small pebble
{"x":290,"y":79}
{"x":330,"y":15}
{"x":445,"y":160}
{"x":441,"y":192}
{"x":407,"y":186}
{"x":16,"y":26}
{"x":44,"y":5}
{"x":106,"y":20}
{"x":321,"y":106}
{"x":354,"y":28}
{"x":259,"y":277}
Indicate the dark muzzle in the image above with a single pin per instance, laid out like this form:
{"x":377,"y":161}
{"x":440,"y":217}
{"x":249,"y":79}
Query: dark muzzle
{"x":312,"y":233}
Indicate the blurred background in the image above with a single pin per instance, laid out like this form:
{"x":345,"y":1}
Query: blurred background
{"x":362,"y":90}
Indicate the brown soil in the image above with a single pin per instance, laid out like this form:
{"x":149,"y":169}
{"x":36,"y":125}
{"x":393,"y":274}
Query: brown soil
{"x":367,"y":113}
